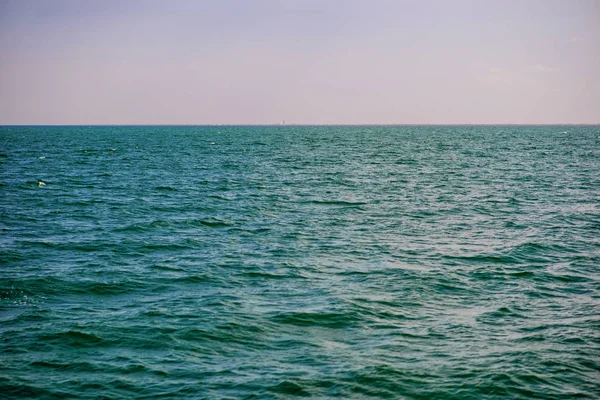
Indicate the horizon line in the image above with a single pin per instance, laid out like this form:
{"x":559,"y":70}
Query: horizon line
{"x":310,"y":124}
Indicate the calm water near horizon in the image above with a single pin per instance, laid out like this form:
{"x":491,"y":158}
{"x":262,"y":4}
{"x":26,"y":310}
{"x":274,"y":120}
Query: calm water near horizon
{"x":231,"y":262}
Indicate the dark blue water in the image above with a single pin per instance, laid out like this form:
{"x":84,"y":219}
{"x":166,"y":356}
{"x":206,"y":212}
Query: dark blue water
{"x":276,"y":262}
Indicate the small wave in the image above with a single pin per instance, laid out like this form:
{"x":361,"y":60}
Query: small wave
{"x":253,"y":231}
{"x":568,"y":277}
{"x":217,"y":197}
{"x":340,"y":203}
{"x":523,"y":252}
{"x":522,"y":274}
{"x":193,"y":279}
{"x":136,"y":368}
{"x":226,"y":333}
{"x":7,"y":293}
{"x":528,"y":247}
{"x":487,"y":259}
{"x":213,"y":223}
{"x":167,"y":246}
{"x":109,"y":288}
{"x":289,"y":388}
{"x":23,"y":391}
{"x":7,"y":255}
{"x":40,"y":243}
{"x":382,"y":381}
{"x":495,"y":274}
{"x":70,"y":366}
{"x":12,"y":288}
{"x":500,"y":316}
{"x":74,"y":246}
{"x":56,"y":286}
{"x":167,"y":267}
{"x":325,"y":320}
{"x":165,"y":188}
{"x":73,"y":338}
{"x":145,"y":226}
{"x":265,"y":275}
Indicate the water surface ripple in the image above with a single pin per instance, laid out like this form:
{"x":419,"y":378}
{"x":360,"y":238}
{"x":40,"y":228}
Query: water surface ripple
{"x":278,"y":262}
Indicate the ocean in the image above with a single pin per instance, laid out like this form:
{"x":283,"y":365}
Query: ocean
{"x":275,"y":262}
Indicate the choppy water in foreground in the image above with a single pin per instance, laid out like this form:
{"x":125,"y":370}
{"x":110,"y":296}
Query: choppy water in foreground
{"x":275,"y":262}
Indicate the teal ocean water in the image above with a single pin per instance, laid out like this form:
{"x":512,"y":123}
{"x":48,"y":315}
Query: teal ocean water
{"x":398,"y":262}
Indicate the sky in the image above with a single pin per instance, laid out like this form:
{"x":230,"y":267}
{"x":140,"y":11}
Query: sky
{"x":306,"y":62}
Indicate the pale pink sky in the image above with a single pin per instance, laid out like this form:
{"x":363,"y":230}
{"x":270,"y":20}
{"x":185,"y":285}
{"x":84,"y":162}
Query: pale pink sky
{"x":317,"y":62}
